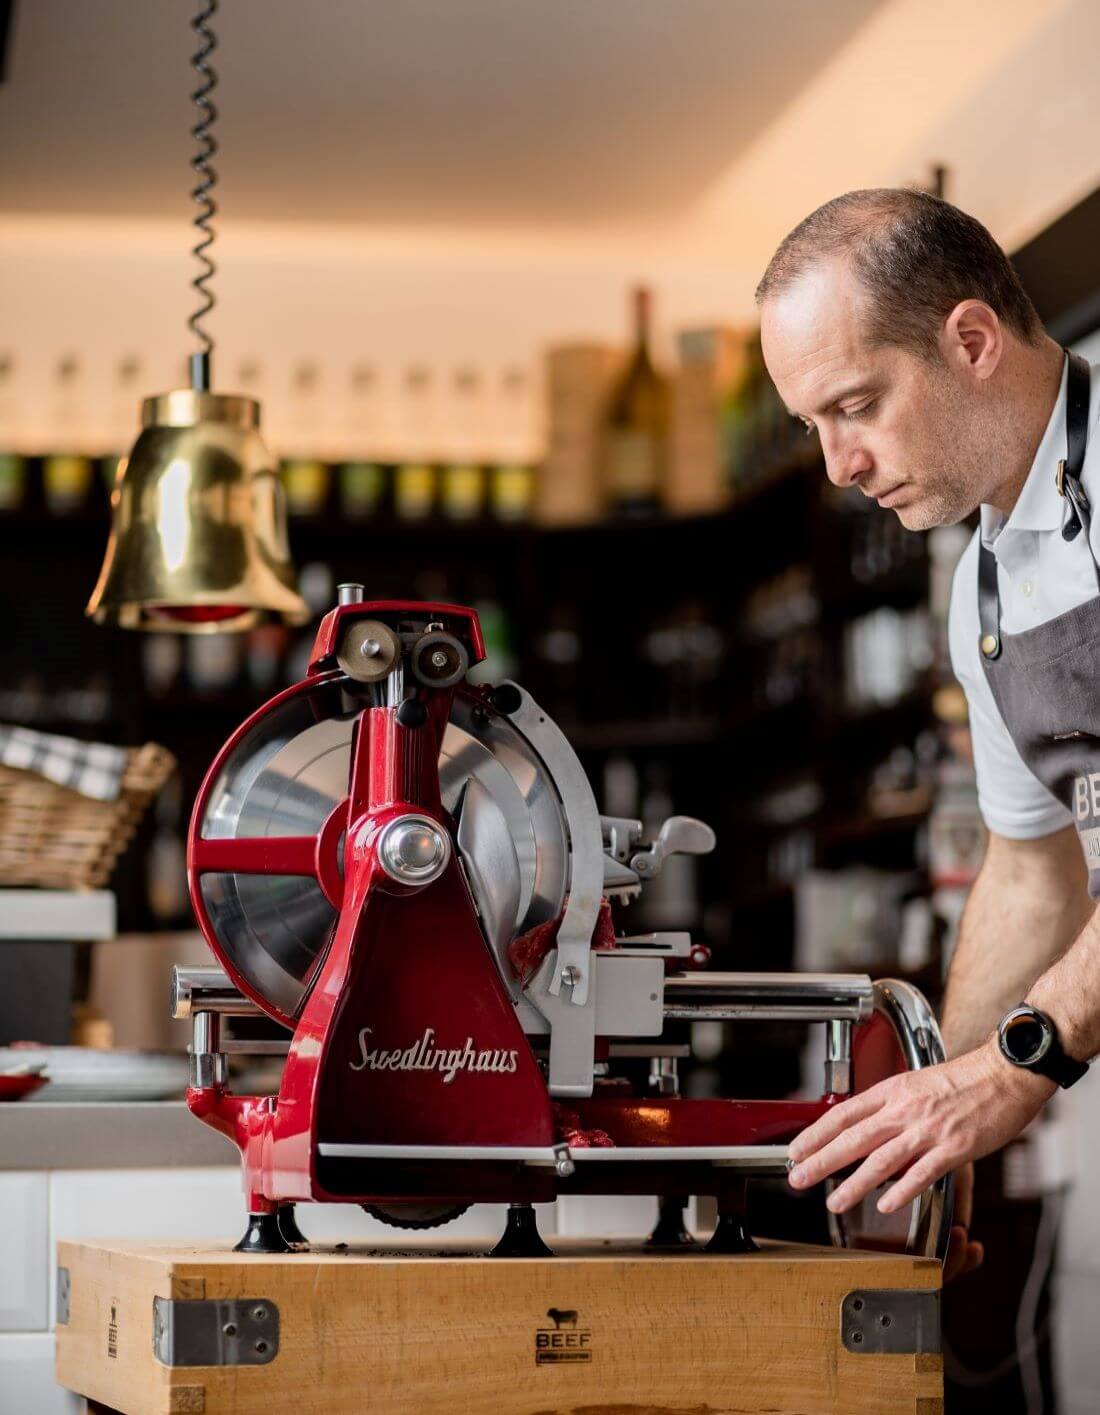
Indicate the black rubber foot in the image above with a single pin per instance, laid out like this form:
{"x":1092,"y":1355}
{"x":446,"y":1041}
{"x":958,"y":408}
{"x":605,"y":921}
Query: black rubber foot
{"x":669,"y":1231}
{"x":521,"y":1236}
{"x":288,"y":1226}
{"x":731,"y":1236}
{"x":263,"y":1235}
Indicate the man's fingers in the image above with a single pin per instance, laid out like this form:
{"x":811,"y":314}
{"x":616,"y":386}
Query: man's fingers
{"x":958,"y":1251}
{"x":963,"y":1256}
{"x":925,"y":1172}
{"x":836,"y":1119}
{"x":850,"y":1145}
{"x":964,"y":1194}
{"x":876,"y":1169}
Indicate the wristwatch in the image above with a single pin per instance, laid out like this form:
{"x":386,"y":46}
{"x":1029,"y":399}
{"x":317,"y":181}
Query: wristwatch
{"x":1029,"y":1039}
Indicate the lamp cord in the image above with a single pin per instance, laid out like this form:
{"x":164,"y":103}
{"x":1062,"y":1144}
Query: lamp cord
{"x":207,"y":147}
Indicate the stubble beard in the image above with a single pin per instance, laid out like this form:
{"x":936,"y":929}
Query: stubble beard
{"x":944,"y":500}
{"x":948,"y":492}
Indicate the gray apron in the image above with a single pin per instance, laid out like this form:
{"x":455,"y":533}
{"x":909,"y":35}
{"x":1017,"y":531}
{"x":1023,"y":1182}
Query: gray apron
{"x":1046,"y":681}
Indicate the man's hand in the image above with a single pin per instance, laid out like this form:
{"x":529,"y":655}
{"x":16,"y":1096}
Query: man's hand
{"x":918,"y":1126}
{"x":963,"y":1253}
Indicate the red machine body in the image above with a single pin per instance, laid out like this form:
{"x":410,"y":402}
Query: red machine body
{"x":406,"y":1048}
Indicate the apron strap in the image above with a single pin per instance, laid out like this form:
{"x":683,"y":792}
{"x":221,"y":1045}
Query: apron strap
{"x":989,"y":604}
{"x":1068,"y":477}
{"x":1068,"y":482}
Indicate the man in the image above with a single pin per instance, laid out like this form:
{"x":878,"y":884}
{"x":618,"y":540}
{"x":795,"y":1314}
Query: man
{"x":894,"y":326}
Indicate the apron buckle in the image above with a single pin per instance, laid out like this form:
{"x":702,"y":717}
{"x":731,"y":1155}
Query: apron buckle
{"x":1077,"y":503}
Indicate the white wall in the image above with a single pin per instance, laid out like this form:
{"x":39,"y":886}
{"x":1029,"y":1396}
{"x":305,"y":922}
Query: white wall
{"x":1002,"y":91}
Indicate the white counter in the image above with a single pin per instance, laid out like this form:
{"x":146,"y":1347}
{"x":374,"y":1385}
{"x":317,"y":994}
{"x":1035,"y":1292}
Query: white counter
{"x":110,"y":1135}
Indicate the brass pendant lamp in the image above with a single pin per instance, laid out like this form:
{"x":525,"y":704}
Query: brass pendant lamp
{"x":198,"y":540}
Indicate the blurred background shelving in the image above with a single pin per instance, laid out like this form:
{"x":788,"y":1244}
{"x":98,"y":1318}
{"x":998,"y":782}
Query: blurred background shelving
{"x":766,"y":663}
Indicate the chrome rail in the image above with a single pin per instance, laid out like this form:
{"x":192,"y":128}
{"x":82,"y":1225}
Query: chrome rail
{"x":915,"y":1026}
{"x":208,"y":990}
{"x":769,"y":997}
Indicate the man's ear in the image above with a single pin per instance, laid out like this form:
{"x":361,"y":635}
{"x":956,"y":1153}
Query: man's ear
{"x":972,"y":340}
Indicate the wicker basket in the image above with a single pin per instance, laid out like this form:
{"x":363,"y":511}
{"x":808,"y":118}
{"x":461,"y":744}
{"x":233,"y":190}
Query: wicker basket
{"x":56,"y":838}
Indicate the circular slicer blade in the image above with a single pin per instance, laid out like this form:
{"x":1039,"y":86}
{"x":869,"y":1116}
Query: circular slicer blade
{"x":289,"y":771}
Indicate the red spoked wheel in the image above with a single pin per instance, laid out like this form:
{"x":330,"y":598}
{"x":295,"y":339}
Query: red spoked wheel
{"x":265,"y":846}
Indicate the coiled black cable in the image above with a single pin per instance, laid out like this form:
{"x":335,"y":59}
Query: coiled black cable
{"x":200,"y":163}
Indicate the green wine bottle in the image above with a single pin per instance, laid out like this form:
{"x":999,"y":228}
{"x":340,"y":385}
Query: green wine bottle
{"x":636,"y":426}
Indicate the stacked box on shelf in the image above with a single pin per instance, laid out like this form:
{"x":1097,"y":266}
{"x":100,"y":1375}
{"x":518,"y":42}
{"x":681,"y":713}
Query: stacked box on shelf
{"x":579,"y":377}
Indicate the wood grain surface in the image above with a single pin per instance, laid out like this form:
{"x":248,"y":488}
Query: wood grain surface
{"x":600,"y":1329}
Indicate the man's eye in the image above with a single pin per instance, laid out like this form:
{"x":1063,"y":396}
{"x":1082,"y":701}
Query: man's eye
{"x":861,"y":412}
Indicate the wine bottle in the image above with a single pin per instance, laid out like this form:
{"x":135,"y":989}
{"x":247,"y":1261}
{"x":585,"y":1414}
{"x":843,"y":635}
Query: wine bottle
{"x":740,"y":422}
{"x":636,"y":426}
{"x":363,"y":477}
{"x":414,"y":490}
{"x":499,"y":662}
{"x":166,"y":862}
{"x":67,"y":473}
{"x":125,"y":418}
{"x":512,"y":478}
{"x":462,"y":493}
{"x":306,"y":476}
{"x":13,"y":465}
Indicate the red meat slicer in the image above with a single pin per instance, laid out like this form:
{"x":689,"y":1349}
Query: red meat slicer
{"x":411,"y":875}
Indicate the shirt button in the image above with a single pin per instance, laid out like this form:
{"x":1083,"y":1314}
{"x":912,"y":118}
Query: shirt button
{"x":1027,"y":588}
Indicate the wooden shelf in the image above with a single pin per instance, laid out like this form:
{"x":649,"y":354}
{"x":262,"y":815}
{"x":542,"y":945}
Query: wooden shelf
{"x":854,"y":829}
{"x":671,"y":732}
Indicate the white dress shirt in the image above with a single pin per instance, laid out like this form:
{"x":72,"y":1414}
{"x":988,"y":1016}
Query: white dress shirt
{"x":1040,"y":576}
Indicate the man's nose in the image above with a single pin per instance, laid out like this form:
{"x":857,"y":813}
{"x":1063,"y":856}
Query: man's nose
{"x":845,"y":463}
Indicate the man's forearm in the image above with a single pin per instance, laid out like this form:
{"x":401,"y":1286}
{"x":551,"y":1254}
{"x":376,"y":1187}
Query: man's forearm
{"x":1028,"y":905}
{"x":906,"y":1131}
{"x":1070,"y":992}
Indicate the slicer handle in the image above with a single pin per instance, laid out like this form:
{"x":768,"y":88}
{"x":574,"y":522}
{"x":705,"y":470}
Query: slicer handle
{"x":680,"y":835}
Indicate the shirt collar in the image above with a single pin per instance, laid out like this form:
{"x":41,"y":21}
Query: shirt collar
{"x":1038,"y":507}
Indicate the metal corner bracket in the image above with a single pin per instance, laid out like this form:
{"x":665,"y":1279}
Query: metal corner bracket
{"x":241,"y":1331}
{"x":891,"y":1320}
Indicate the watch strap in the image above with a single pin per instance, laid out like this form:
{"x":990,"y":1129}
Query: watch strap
{"x":1057,"y":1066}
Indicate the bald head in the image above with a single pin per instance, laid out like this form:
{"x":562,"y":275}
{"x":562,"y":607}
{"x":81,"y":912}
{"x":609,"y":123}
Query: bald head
{"x":915,"y":259}
{"x":894,"y":326}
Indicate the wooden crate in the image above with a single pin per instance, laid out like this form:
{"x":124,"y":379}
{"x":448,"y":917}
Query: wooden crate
{"x":601,"y":1328}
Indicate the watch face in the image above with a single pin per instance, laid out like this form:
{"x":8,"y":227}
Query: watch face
{"x":1025,"y":1036}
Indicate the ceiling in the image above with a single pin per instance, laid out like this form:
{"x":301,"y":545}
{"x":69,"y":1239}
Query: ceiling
{"x":431,"y":112}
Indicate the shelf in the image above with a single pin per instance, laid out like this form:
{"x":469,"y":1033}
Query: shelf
{"x":782,"y":475}
{"x":716,"y":731}
{"x":377,"y":531}
{"x":58,"y":914}
{"x":764,"y":897}
{"x":856,"y":829}
{"x":671,"y":732}
{"x":235,"y":704}
{"x":750,"y":718}
{"x":903,"y":588}
{"x":62,"y":523}
{"x":919,"y":700}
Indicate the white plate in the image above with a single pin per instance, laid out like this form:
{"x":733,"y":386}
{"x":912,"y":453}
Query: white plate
{"x":83,"y":1074}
